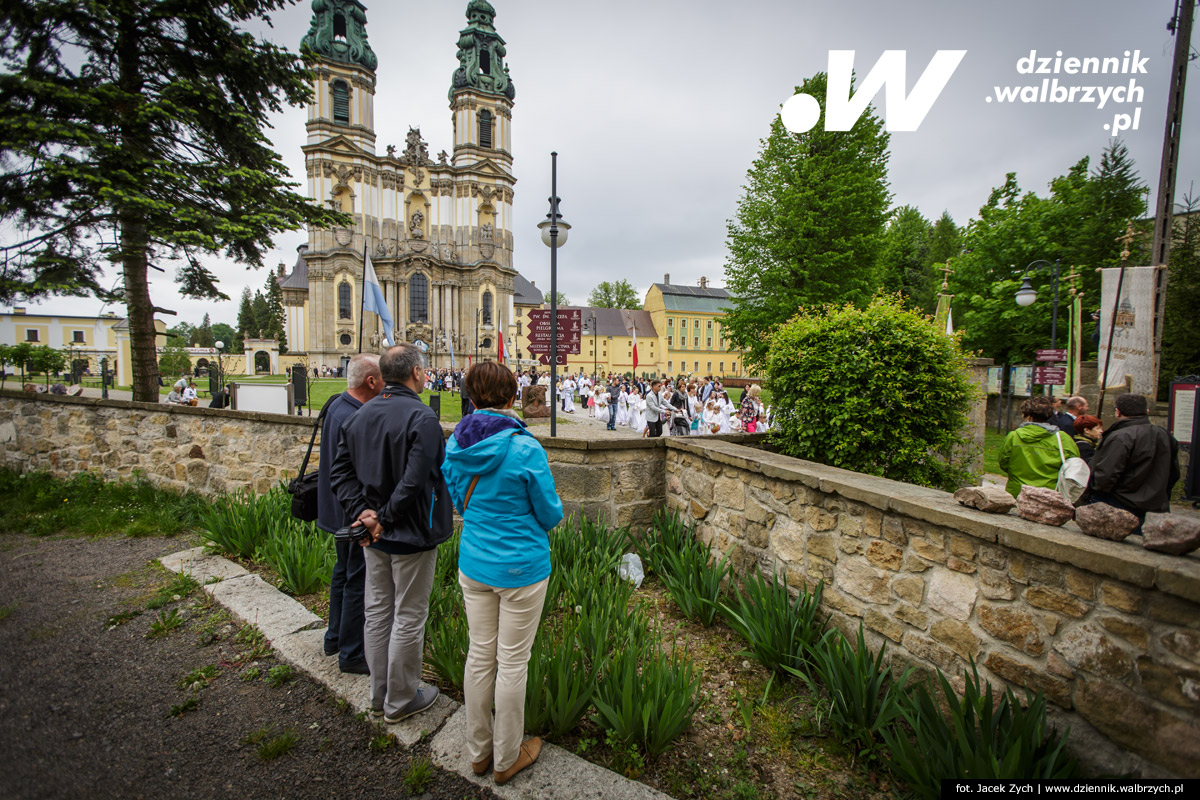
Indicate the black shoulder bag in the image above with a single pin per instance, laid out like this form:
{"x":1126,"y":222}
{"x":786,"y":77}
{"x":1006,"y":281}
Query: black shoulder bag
{"x":303,"y":489}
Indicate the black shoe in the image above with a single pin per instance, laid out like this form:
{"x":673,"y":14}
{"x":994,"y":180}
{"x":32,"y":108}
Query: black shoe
{"x":354,"y":667}
{"x":331,"y":651}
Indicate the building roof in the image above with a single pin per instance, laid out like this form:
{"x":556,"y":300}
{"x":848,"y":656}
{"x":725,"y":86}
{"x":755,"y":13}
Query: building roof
{"x":616,"y":321}
{"x":299,"y":277}
{"x":525,"y":293}
{"x":694,"y":299}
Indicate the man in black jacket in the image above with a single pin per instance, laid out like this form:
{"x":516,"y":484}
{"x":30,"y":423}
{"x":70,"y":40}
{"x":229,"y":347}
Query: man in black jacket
{"x":1137,"y":463}
{"x":387,"y":474}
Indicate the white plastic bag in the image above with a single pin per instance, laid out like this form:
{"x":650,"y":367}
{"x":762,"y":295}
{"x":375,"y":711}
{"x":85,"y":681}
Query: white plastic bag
{"x":630,"y":569}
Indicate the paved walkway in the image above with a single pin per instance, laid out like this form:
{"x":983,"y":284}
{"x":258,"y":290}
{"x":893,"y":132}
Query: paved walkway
{"x":297,"y":636}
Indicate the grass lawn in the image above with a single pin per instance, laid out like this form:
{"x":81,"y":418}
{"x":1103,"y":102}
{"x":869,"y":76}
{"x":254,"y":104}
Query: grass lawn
{"x":991,"y":451}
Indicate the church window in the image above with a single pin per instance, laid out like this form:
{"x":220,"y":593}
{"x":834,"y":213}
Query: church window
{"x":341,"y":101}
{"x":485,"y":62}
{"x":344,"y":300}
{"x":339,"y":26}
{"x":485,"y":128}
{"x":487,"y":308}
{"x":418,"y":298}
{"x":345,"y":339}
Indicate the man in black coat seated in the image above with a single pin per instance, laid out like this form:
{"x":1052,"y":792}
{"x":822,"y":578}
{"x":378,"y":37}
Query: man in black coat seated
{"x":1137,"y":463}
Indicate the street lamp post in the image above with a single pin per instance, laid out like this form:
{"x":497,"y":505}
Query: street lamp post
{"x":477,"y":336}
{"x":554,"y":234}
{"x":220,"y":372}
{"x":1026,"y":295}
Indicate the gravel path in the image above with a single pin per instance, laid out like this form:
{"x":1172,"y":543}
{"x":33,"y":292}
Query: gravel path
{"x":85,"y":702}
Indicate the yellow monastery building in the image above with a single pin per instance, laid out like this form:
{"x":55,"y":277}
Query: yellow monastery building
{"x":679,"y":332}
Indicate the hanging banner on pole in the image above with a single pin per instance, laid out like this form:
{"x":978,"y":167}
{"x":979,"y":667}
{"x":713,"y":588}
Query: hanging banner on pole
{"x":1133,"y":329}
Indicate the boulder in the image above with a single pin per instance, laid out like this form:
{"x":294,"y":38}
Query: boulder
{"x":992,"y":499}
{"x":1105,"y":522}
{"x":1171,"y":533}
{"x":1043,"y":505}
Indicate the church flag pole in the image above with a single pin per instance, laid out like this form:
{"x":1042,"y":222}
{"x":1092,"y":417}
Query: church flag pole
{"x":363,"y":305}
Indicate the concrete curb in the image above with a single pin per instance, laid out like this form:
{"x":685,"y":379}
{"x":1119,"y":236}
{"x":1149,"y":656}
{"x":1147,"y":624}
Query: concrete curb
{"x":297,"y":636}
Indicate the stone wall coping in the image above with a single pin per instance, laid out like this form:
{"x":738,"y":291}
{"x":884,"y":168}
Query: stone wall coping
{"x":1123,"y":561}
{"x":97,"y":402}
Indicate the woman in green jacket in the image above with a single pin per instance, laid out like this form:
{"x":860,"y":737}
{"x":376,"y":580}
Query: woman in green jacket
{"x":1030,"y":455}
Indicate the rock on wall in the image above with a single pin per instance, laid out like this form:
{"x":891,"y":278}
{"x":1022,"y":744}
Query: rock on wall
{"x":1108,"y":631}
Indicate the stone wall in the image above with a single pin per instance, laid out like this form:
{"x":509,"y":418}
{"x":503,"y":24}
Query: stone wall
{"x":201,"y":449}
{"x":1110,"y":632}
{"x":211,"y":451}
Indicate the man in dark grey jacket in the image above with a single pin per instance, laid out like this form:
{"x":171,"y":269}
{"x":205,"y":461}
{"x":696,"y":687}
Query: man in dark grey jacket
{"x":388,"y":475}
{"x":1137,"y":463}
{"x":344,"y":638}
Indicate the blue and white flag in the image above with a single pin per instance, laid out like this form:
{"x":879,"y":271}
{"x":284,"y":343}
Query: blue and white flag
{"x":450,"y":345}
{"x":373,"y":299}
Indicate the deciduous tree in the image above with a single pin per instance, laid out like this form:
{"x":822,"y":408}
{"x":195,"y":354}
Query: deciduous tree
{"x":618,"y":294}
{"x":132,"y":133}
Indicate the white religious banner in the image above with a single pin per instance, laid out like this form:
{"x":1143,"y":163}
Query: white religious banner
{"x":1132,"y":329}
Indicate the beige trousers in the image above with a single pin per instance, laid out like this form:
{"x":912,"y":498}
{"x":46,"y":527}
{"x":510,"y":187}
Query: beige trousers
{"x":503,"y":623}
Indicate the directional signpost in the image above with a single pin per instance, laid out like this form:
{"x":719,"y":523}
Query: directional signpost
{"x":570,"y":332}
{"x":1050,"y":375}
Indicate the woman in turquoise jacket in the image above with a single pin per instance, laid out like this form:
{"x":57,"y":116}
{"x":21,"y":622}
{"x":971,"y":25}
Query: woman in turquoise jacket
{"x":500,"y":481}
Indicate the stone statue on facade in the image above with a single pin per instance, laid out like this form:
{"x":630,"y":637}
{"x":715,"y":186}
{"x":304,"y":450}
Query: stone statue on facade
{"x":416,"y":150}
{"x":485,"y":232}
{"x":391,"y":151}
{"x":416,"y":228}
{"x":442,"y":156}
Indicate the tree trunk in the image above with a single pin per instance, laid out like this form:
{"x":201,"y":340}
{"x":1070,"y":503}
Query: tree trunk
{"x":134,"y":244}
{"x":142,"y":334}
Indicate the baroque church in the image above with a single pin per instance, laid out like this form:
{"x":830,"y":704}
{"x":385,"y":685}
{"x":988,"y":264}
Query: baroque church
{"x":438,"y":229}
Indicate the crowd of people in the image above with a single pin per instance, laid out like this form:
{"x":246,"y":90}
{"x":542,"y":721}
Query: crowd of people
{"x":1132,"y":466}
{"x":656,"y":407}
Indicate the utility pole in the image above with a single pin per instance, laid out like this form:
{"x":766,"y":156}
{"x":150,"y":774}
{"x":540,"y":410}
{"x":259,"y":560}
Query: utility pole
{"x":1181,"y":26}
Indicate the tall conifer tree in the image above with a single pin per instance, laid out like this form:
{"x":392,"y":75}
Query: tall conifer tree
{"x":132,"y":132}
{"x":809,"y":225}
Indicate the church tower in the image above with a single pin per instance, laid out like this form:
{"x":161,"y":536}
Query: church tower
{"x":438,"y":230}
{"x":344,"y":90}
{"x":481,"y":92}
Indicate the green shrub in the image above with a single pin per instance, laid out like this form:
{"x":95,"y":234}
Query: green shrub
{"x":446,"y":636}
{"x":864,"y":698}
{"x":647,"y":696}
{"x":237,"y":524}
{"x":667,"y":534}
{"x":561,"y":683}
{"x":876,"y":390}
{"x":780,"y":630}
{"x":300,"y":553}
{"x":694,"y":581}
{"x":979,"y":738}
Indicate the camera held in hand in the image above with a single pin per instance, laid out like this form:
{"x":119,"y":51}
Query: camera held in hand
{"x":355,"y":533}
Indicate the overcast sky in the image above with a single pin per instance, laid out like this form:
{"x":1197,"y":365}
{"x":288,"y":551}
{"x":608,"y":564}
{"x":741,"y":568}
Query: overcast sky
{"x":657,"y":110}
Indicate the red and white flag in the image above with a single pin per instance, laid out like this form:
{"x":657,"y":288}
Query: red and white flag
{"x":500,"y":348}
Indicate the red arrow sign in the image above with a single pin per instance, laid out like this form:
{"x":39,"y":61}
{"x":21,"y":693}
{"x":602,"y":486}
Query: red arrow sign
{"x":1050,"y":376}
{"x":544,"y":360}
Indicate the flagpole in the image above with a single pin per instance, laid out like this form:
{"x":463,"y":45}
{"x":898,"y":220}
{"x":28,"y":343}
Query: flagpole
{"x":363,"y":291}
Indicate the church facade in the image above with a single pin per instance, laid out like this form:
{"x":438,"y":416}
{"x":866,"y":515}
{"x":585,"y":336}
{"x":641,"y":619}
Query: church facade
{"x":438,"y":229}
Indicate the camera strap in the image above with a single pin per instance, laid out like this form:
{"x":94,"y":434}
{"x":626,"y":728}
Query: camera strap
{"x":316,"y":427}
